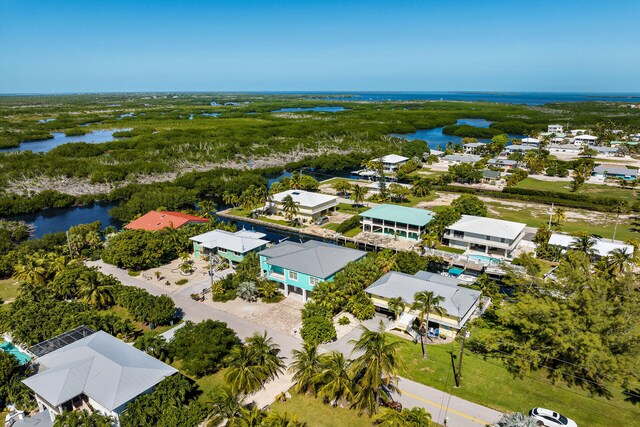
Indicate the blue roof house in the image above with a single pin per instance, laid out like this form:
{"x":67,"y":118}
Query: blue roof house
{"x":298,"y":267}
{"x":400,"y":221}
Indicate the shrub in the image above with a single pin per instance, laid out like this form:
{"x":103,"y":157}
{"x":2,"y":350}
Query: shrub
{"x":269,"y":291}
{"x":248,"y":291}
{"x":138,"y":250}
{"x":348,"y":224}
{"x":317,"y":330}
{"x":143,"y":306}
{"x":344,"y":320}
{"x":181,"y":281}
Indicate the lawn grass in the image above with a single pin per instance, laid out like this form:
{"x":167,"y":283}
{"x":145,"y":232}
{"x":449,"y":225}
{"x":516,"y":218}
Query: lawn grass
{"x":205,"y":383}
{"x":8,"y":289}
{"x":317,"y":414}
{"x":587,"y":189}
{"x":489,"y":383}
{"x":448,"y":249}
{"x":348,"y":208}
{"x":353,"y":232}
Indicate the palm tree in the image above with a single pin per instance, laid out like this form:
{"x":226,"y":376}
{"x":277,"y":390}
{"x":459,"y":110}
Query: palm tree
{"x":290,"y":208}
{"x":337,"y":384}
{"x":279,"y":419}
{"x":250,"y":418}
{"x":415,"y":417}
{"x":31,"y":270}
{"x":430,"y":240}
{"x":619,"y":260}
{"x":93,"y":291}
{"x":378,"y":365}
{"x":265,"y":354}
{"x":82,"y":419}
{"x":295,"y":180}
{"x":584,"y":242}
{"x":174,"y":238}
{"x":230,"y":198}
{"x":226,"y":406}
{"x":386,"y":261}
{"x":515,"y":419}
{"x":305,"y":367}
{"x":153,"y":344}
{"x":357,"y":194}
{"x":426,"y":302}
{"x":397,"y":306}
{"x":421,"y":187}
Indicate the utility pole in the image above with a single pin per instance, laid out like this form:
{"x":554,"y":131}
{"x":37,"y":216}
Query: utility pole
{"x":465,"y":334}
{"x":69,"y":244}
{"x":550,"y":217}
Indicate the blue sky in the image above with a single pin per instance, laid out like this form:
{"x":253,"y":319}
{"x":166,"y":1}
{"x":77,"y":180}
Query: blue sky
{"x":76,"y":46}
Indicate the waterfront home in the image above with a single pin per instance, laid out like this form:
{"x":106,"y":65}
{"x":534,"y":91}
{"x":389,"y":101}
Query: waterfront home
{"x":460,"y":303}
{"x":519,"y":148}
{"x":564,"y":148}
{"x":607,"y":151}
{"x":585,"y":140}
{"x":97,"y":372}
{"x":399,"y":221}
{"x":489,"y":176}
{"x":157,"y":220}
{"x":474,"y":147}
{"x":311,"y":206}
{"x":391,"y":162}
{"x":460,"y":158}
{"x":555,"y":129}
{"x":488,"y":235}
{"x":531,"y":141}
{"x":575,"y":132}
{"x":374,"y":186}
{"x":502,"y":163}
{"x":622,"y":143}
{"x":299,"y":267}
{"x":601,"y":247}
{"x":616,"y":172}
{"x":437,"y":153}
{"x":231,"y":246}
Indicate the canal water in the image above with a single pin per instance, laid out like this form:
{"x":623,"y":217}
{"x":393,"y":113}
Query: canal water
{"x":327,"y":109}
{"x":59,"y":138}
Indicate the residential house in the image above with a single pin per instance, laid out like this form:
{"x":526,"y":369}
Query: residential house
{"x":157,"y":220}
{"x":460,"y":158}
{"x":531,"y":141}
{"x":231,"y":246}
{"x":311,"y":206}
{"x":391,"y":162}
{"x":617,"y":172}
{"x":502,"y":163}
{"x":575,"y":132}
{"x":299,"y":267}
{"x":555,"y":129}
{"x":474,"y":147}
{"x":399,"y":221}
{"x":489,"y":176}
{"x":585,"y":140}
{"x":488,"y":235}
{"x":519,"y":148}
{"x":460,"y":304}
{"x":601,"y":247}
{"x":607,"y":151}
{"x":97,"y":371}
{"x":564,"y":148}
{"x":437,"y":153}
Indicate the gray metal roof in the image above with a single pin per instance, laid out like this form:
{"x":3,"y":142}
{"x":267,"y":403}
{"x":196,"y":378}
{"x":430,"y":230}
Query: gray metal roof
{"x":314,"y":258}
{"x":457,"y":300}
{"x":615,"y":170}
{"x":102,"y":367}
{"x":241,"y":241}
{"x":490,"y":174}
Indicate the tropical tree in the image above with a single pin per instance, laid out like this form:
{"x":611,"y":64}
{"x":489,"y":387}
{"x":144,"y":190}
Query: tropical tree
{"x":290,"y":208}
{"x":82,"y":418}
{"x":336,"y":384}
{"x":93,"y":289}
{"x":251,"y":417}
{"x":426,"y":302}
{"x":430,"y":240}
{"x":305,"y":367}
{"x":619,"y":260}
{"x":558,"y":216}
{"x":421,"y":187}
{"x":515,"y":419}
{"x":397,"y":306}
{"x":341,"y":186}
{"x":282,"y":419}
{"x":358,"y":192}
{"x":32,"y":269}
{"x":377,"y":366}
{"x":414,"y":417}
{"x":584,"y":242}
{"x":386,"y":260}
{"x":226,"y":407}
{"x":154,"y":345}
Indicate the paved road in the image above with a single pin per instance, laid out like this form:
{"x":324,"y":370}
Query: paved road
{"x":458,"y":412}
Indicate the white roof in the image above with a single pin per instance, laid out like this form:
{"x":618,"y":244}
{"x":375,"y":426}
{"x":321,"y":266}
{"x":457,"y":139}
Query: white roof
{"x":393,"y":158}
{"x":523,"y":147}
{"x":474,"y":144}
{"x":587,"y":137}
{"x":601,"y":247}
{"x":305,"y":198}
{"x":530,"y":140}
{"x":437,"y":152}
{"x":241,"y":241}
{"x":102,"y":367}
{"x":488,"y":227}
{"x":462,"y":158}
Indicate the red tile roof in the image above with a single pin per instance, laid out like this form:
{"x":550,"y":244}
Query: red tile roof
{"x":157,"y":220}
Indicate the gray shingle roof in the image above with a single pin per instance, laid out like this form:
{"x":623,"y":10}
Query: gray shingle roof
{"x":108,"y":370}
{"x":314,"y":258}
{"x":457,"y":300}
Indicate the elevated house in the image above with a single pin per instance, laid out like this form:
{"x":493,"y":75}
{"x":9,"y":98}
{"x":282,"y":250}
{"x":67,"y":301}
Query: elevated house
{"x":601,"y":247}
{"x":96,"y":372}
{"x":460,"y":303}
{"x":391,"y":162}
{"x":311,"y":206}
{"x":531,"y":141}
{"x":564,"y":148}
{"x":607,"y":151}
{"x":488,"y":235}
{"x":231,"y":246}
{"x":393,"y":220}
{"x":474,"y":147}
{"x":157,"y":220}
{"x":299,"y":267}
{"x":585,"y":139}
{"x":555,"y":129}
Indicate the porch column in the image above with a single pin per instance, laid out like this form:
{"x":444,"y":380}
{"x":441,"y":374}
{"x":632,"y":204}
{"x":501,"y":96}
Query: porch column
{"x":486,"y":249}
{"x":304,"y":295}
{"x":286,"y":289}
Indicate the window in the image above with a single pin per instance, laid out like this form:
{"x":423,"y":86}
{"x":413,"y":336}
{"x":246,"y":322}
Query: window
{"x":458,"y":234}
{"x":293,"y":275}
{"x":313,"y":281}
{"x":503,"y":240}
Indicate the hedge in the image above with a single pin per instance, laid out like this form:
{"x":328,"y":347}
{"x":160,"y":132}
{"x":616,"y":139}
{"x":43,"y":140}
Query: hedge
{"x":348,"y":224}
{"x":145,"y":307}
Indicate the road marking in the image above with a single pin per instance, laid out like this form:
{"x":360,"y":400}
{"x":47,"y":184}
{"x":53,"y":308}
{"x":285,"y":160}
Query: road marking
{"x":453,"y":411}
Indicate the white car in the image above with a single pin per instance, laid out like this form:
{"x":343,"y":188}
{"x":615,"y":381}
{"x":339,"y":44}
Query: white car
{"x":549,"y":418}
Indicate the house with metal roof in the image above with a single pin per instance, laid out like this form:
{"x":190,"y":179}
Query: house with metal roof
{"x":530,"y":141}
{"x":515,"y":148}
{"x":399,"y":221}
{"x":311,"y":206}
{"x":391,"y":162}
{"x":502,"y":163}
{"x":489,"y":176}
{"x":584,"y":139}
{"x":231,"y":246}
{"x":461,"y":158}
{"x":488,"y":235}
{"x":299,"y":267}
{"x":459,"y":303}
{"x":601,"y":247}
{"x":617,"y":172}
{"x":474,"y":147}
{"x":99,"y":372}
{"x":555,"y":128}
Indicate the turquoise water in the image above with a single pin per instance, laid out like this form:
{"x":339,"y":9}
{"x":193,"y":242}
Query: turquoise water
{"x":7,"y":347}
{"x":485,"y":259}
{"x":59,"y":138}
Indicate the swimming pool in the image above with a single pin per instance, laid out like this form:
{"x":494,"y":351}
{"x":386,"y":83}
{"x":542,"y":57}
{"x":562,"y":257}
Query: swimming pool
{"x":485,"y":259}
{"x":7,"y":347}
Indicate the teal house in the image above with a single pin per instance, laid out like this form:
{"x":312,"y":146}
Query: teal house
{"x":298,"y":267}
{"x":393,"y":220}
{"x":231,"y":246}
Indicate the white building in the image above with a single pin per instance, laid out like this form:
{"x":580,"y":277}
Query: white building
{"x":555,"y":128}
{"x":474,"y":147}
{"x":601,"y":247}
{"x":519,"y":148}
{"x":488,"y":235}
{"x":585,"y":139}
{"x":531,"y":141}
{"x":575,"y":132}
{"x":391,"y":162}
{"x":460,"y":158}
{"x":311,"y":205}
{"x":564,"y":148}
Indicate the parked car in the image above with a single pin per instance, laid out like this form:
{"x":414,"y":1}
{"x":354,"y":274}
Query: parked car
{"x":322,"y":220}
{"x":549,"y":418}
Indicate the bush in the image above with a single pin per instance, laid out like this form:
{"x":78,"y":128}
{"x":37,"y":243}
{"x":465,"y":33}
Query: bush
{"x":143,"y":306}
{"x":344,"y":320}
{"x":248,"y":291}
{"x":138,"y":250}
{"x":348,"y":224}
{"x":269,"y":291}
{"x":317,"y":330}
{"x":181,"y":282}
{"x":468,"y":204}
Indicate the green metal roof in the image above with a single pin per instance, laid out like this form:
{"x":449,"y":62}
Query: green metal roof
{"x":401,"y":214}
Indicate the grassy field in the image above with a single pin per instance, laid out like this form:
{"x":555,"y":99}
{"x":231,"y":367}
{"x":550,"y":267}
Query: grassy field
{"x":317,"y":414}
{"x":487,"y":382}
{"x":587,"y":189}
{"x":8,"y":289}
{"x":347,"y":208}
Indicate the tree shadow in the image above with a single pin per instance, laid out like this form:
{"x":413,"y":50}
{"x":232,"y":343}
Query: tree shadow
{"x":632,"y":396}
